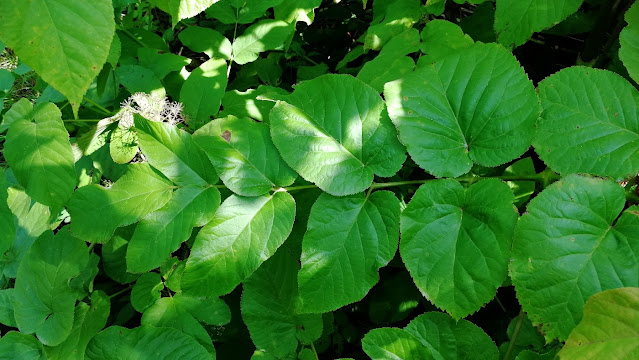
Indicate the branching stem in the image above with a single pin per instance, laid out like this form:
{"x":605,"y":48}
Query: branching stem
{"x":513,"y":340}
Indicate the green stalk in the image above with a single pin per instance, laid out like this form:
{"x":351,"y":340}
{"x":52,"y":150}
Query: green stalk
{"x":513,"y":340}
{"x":97,"y":106}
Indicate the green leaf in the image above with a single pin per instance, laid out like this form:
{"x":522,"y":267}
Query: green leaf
{"x":609,"y":328}
{"x":31,"y":219}
{"x":82,"y":284}
{"x":136,"y":78}
{"x":441,"y":38}
{"x":182,"y":9}
{"x":270,"y":311}
{"x":629,"y":40}
{"x":7,"y":316}
{"x":391,"y":63}
{"x":517,"y":20}
{"x":46,"y":35}
{"x":15,"y":345}
{"x":297,"y":10}
{"x":243,"y":234}
{"x":173,"y":152}
{"x":206,"y":40}
{"x":473,"y":106}
{"x":38,"y":151}
{"x":166,"y":313}
{"x":97,"y":212}
{"x":334,"y":131}
{"x":391,"y":18}
{"x":590,"y":123}
{"x":146,"y":291}
{"x":249,"y":104}
{"x":588,"y":244}
{"x":456,"y":242}
{"x":42,"y":300}
{"x":244,"y":156}
{"x":160,"y":62}
{"x":88,"y":321}
{"x":348,"y":240}
{"x":161,"y":232}
{"x":262,"y":36}
{"x":145,"y":343}
{"x":450,"y":340}
{"x":123,"y":145}
{"x":114,"y":256}
{"x":209,"y":310}
{"x":203,"y":90}
{"x":395,"y":344}
{"x":8,"y":233}
{"x":240,"y":11}
{"x":21,"y":110}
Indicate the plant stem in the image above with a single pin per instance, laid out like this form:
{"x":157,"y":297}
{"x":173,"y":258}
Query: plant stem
{"x":120,"y":292}
{"x":91,"y":247}
{"x":97,"y":106}
{"x":314,"y":351}
{"x":513,"y":340}
{"x":128,"y":33}
{"x":302,"y":187}
{"x":82,"y":120}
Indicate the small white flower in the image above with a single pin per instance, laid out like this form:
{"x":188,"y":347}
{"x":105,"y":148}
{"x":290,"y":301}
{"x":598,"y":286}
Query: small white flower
{"x":150,"y":106}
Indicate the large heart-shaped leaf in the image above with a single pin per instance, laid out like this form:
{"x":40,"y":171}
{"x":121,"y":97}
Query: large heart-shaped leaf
{"x":590,"y":123}
{"x":203,"y":90}
{"x":39,"y":153}
{"x":474,"y":106}
{"x":16,"y":345}
{"x":243,"y":234}
{"x":244,"y":155}
{"x":46,"y":35}
{"x":348,"y":240}
{"x":333,"y":130}
{"x":574,"y":242}
{"x":456,"y":242}
{"x":43,"y":303}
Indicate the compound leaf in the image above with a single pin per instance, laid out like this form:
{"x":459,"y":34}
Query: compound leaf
{"x":456,"y":242}
{"x":97,"y":211}
{"x":629,"y":40}
{"x":517,"y":20}
{"x":43,"y":303}
{"x":609,"y":328}
{"x":334,"y":131}
{"x":574,"y":241}
{"x":145,"y":343}
{"x":270,"y":310}
{"x":243,"y":234}
{"x":348,"y":240}
{"x":244,"y":155}
{"x":590,"y":123}
{"x":160,"y":233}
{"x":39,"y":153}
{"x":44,"y":34}
{"x":474,"y":106}
{"x":172,"y":152}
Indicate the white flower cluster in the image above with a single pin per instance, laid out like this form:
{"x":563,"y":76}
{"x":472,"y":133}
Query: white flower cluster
{"x":150,"y":106}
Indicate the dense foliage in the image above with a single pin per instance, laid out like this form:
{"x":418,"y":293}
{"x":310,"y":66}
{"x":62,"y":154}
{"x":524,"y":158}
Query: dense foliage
{"x":308,"y":179}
